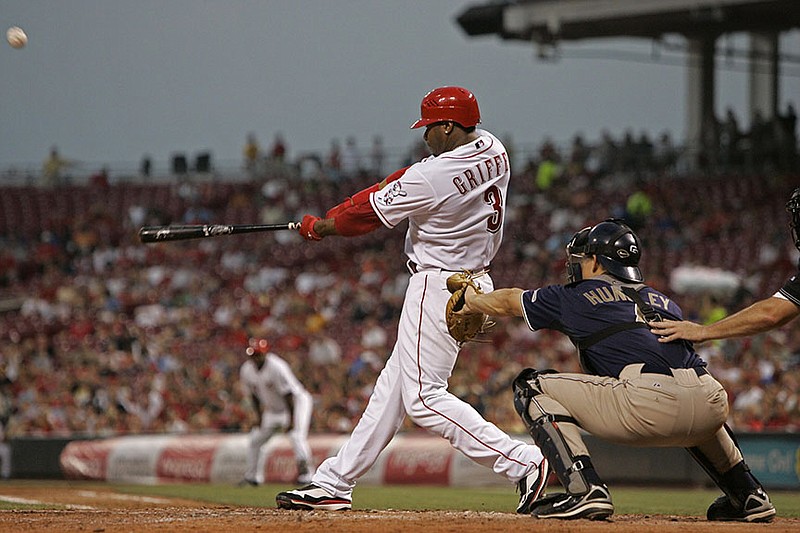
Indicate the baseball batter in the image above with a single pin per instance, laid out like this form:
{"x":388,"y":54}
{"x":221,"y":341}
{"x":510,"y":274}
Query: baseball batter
{"x":636,"y":391}
{"x":284,"y":405}
{"x":454,"y":202}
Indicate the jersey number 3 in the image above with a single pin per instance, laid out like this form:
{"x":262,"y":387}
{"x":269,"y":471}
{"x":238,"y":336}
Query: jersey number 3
{"x":494,"y":198}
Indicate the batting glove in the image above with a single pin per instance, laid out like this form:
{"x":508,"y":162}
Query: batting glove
{"x":307,"y":228}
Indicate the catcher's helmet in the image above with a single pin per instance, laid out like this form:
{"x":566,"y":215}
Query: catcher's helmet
{"x":614,"y":244}
{"x":793,"y":207}
{"x":446,"y":104}
{"x":257,"y":346}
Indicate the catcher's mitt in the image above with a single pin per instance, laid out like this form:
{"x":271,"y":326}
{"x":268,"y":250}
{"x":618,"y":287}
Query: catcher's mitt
{"x":463,"y":328}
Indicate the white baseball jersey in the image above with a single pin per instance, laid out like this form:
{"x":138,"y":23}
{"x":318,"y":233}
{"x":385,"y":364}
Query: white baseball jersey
{"x":270,"y":383}
{"x":454,"y":203}
{"x":455,"y":206}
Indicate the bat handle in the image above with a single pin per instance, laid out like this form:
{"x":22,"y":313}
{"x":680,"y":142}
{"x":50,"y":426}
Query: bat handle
{"x":294,"y":225}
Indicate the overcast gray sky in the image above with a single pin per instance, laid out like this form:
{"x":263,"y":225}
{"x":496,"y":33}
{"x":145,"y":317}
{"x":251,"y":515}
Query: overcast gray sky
{"x":110,"y":80}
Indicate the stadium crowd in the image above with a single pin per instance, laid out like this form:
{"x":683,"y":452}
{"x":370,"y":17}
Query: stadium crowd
{"x":101,"y":335}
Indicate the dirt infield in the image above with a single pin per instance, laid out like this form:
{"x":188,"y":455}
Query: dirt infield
{"x":98,"y":510}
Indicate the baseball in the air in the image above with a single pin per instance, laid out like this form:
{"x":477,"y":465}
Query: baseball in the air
{"x":16,"y":37}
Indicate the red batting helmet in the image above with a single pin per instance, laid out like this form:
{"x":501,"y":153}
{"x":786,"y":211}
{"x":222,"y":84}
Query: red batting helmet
{"x":445,"y":104}
{"x":258,"y":346}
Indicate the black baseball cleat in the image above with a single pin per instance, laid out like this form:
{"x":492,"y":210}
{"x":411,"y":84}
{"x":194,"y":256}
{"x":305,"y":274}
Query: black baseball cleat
{"x":594,"y":505}
{"x":245,"y":482}
{"x":311,"y":498}
{"x":757,"y":508}
{"x":532,"y":486}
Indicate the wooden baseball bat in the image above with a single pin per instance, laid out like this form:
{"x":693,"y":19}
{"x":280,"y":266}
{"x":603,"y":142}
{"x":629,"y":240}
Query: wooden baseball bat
{"x":148,"y":234}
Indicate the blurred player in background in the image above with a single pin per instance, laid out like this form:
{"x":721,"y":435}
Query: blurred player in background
{"x":284,"y":405}
{"x":454,"y":202}
{"x":635,"y":390}
{"x":764,"y":315}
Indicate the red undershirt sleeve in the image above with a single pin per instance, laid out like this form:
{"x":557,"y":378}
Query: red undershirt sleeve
{"x":357,"y":220}
{"x":355,"y":216}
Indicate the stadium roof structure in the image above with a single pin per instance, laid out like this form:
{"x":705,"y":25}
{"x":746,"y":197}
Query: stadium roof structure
{"x":547,"y":23}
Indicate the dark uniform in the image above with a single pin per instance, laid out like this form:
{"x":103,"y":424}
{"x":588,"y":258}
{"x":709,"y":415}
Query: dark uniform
{"x":589,"y":306}
{"x":635,"y":390}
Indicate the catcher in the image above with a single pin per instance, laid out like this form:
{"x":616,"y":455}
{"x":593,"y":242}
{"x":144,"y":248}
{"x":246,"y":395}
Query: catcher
{"x":635,"y":391}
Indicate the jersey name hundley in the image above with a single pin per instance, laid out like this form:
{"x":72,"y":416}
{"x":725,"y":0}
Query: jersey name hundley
{"x":608,"y":294}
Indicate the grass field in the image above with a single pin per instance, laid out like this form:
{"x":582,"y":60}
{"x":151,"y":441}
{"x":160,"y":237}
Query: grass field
{"x":627,"y":500}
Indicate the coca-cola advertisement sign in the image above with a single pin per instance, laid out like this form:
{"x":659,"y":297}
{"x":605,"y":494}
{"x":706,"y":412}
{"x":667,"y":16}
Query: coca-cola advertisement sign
{"x":85,"y":459}
{"x":280,"y":466}
{"x":187,"y":460}
{"x":418,"y":463}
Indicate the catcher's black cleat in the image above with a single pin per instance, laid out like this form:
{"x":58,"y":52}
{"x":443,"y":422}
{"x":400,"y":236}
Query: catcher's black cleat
{"x":594,"y":505}
{"x":310,"y":498}
{"x":532,"y":486}
{"x":757,"y":508}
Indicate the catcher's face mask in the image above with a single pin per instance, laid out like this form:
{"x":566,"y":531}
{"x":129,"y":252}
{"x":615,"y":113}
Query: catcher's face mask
{"x":576,"y":252}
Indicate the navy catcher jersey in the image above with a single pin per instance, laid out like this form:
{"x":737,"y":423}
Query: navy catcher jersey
{"x":584,"y":308}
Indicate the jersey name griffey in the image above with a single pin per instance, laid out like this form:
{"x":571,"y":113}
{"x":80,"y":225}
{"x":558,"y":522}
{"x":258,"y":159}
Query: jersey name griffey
{"x":455,"y":205}
{"x":589,"y":306}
